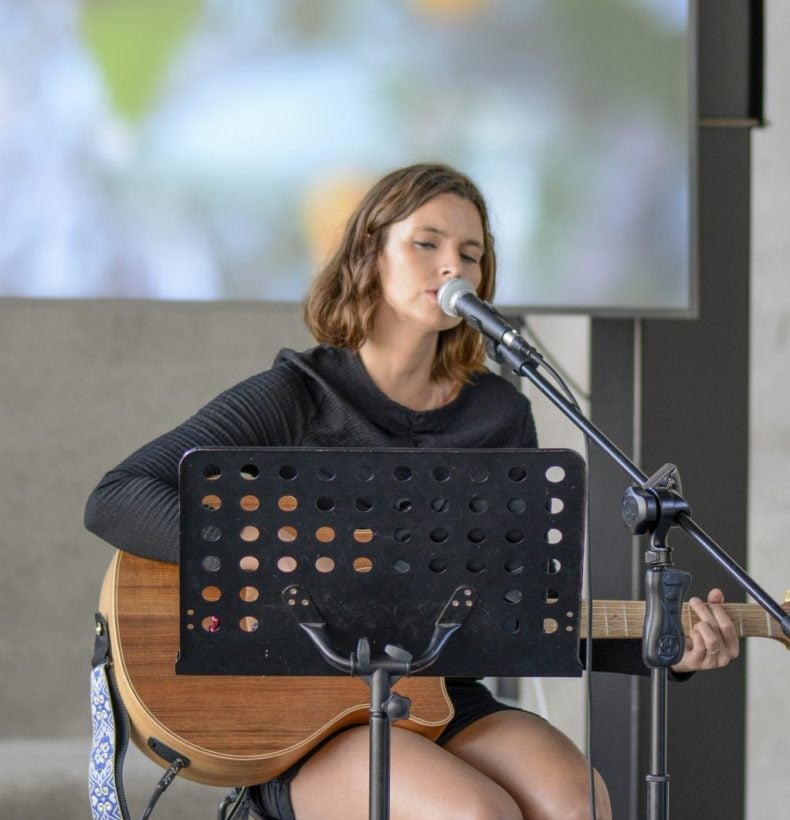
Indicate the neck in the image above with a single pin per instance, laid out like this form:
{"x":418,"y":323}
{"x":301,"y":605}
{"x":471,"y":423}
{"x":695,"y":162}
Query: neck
{"x":401,"y":369}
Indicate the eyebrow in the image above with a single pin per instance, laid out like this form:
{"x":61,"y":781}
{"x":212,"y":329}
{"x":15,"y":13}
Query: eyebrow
{"x":439,"y":232}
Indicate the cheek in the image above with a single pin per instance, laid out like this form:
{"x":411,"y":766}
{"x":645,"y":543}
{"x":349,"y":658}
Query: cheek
{"x":391,"y":284}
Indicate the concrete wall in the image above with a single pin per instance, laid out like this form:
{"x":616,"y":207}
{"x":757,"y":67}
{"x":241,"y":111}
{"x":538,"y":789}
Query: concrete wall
{"x":81,"y":385}
{"x":768,"y":715}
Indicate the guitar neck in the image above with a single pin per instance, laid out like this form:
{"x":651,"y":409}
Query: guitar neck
{"x":625,"y":619}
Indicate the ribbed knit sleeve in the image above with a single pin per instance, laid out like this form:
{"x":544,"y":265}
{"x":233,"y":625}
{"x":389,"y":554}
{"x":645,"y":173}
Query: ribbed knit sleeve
{"x":135,"y":506}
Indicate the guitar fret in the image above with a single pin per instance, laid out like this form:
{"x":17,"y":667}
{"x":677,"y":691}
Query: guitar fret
{"x":740,"y":621}
{"x":625,"y":619}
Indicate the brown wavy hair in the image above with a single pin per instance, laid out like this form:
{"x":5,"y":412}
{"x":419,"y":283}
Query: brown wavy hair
{"x":342,"y":300}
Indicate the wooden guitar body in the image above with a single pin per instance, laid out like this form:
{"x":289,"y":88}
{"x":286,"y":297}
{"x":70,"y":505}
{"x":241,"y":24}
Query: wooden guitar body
{"x":235,"y":730}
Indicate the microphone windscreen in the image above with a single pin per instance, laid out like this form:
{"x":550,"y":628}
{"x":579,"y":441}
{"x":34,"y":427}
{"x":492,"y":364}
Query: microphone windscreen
{"x":450,"y":291}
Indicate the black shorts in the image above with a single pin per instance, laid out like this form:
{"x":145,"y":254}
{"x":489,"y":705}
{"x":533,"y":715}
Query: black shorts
{"x":471,"y":700}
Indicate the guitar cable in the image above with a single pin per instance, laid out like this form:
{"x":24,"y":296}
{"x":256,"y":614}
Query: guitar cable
{"x":167,"y":778}
{"x":588,"y":646}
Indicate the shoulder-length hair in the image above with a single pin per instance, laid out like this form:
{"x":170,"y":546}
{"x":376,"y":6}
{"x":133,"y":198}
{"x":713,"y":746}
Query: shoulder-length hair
{"x":342,"y":300}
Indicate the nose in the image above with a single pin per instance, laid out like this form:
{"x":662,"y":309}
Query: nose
{"x":449,"y":271}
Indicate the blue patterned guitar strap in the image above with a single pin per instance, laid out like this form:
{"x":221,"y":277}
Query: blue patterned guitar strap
{"x":110,"y":734}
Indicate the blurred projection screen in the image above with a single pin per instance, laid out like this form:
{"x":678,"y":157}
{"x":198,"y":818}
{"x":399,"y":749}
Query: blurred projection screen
{"x":210,"y":149}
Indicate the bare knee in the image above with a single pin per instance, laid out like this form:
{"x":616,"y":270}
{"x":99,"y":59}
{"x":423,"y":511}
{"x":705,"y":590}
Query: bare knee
{"x":468,"y":795}
{"x":427,"y":783}
{"x":490,"y":803}
{"x":575,"y":803}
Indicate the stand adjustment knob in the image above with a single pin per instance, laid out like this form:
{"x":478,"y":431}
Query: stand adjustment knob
{"x":639,"y":509}
{"x":397,"y":707}
{"x":363,"y":653}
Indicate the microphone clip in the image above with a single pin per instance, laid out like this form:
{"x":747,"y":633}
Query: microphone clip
{"x":493,"y":351}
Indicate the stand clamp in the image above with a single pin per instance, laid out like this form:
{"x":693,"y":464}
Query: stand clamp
{"x":654,"y":507}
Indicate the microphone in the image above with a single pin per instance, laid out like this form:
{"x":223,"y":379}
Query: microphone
{"x":457,"y":297}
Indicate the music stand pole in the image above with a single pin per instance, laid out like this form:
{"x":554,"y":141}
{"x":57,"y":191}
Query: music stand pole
{"x":379,"y":785}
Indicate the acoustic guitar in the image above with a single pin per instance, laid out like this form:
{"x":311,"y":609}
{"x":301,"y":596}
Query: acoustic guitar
{"x":241,"y":730}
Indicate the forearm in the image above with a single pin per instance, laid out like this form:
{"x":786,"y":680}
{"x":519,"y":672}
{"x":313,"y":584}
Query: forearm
{"x":136,"y":513}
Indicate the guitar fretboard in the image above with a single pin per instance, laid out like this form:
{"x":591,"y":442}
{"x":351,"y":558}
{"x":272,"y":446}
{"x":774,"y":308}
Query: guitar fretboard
{"x":625,"y":619}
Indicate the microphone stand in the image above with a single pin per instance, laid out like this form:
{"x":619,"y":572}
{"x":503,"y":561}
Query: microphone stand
{"x":654,"y":504}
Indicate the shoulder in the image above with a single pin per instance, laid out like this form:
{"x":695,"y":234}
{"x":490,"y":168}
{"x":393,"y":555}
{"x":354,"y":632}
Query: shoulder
{"x":284,"y":392}
{"x":321,"y":369}
{"x":302,"y":379}
{"x":291,"y":369}
{"x":319,"y":360}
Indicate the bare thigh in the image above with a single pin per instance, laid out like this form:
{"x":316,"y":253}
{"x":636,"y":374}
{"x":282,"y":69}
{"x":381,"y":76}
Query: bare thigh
{"x":427,"y":782}
{"x":535,"y":763}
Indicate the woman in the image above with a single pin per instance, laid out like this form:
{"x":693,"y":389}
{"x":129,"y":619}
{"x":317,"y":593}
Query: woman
{"x":392,"y":370}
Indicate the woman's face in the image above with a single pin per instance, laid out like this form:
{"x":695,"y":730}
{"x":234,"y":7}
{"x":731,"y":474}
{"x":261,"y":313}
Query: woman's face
{"x":441,"y":240}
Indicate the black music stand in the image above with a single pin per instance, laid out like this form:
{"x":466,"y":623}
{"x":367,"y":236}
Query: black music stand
{"x":300,"y":561}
